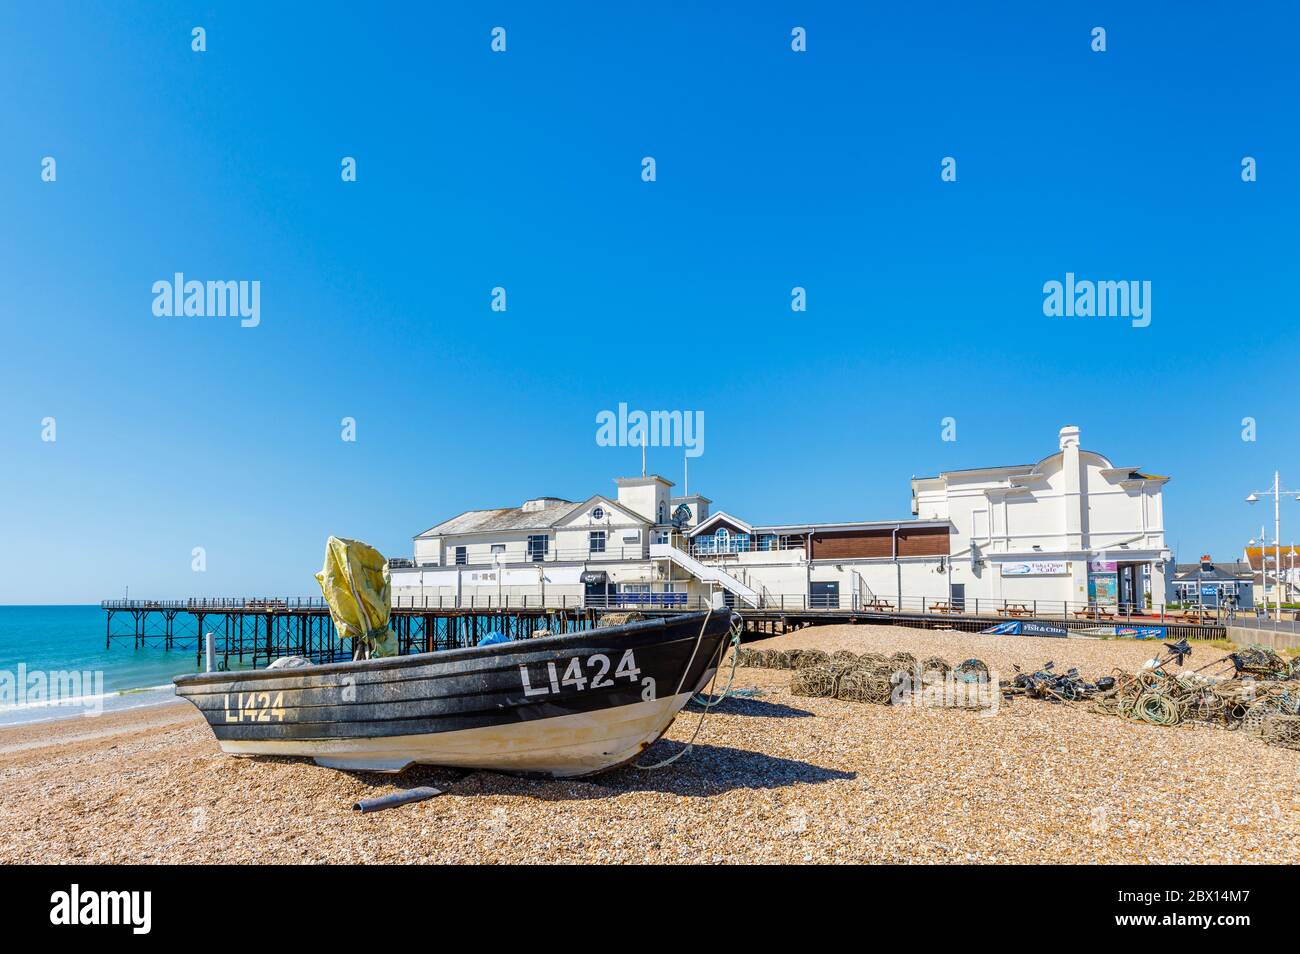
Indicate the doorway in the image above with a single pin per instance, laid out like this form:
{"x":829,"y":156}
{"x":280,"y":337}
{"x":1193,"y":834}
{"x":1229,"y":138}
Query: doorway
{"x":957,"y":596}
{"x":824,"y":595}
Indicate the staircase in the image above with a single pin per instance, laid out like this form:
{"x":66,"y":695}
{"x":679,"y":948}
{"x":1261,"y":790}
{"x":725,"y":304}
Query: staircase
{"x":704,"y":572}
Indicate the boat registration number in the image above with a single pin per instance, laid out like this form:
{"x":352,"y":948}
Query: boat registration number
{"x":580,"y":674}
{"x":255,"y":707}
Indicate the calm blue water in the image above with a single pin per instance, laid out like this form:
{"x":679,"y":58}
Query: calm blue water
{"x":51,"y":639}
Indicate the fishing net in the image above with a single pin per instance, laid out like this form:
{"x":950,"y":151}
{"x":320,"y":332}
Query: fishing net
{"x":812,"y":657}
{"x":618,"y":619}
{"x":935,"y":664}
{"x":1163,"y":698}
{"x":1283,"y":730}
{"x":1260,"y":662}
{"x":1045,"y":683}
{"x":862,"y":685}
{"x":817,"y":681}
{"x":784,"y":658}
{"x":1283,"y":702}
{"x":972,"y":670}
{"x":902,"y":661}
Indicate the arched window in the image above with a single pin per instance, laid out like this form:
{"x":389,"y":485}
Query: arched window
{"x":662,"y":514}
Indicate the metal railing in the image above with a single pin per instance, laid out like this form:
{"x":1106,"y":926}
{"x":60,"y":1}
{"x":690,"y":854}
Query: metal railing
{"x":540,"y":602}
{"x":986,"y":606}
{"x":479,"y":560}
{"x":1248,"y":620}
{"x":700,"y":549}
{"x":857,"y":604}
{"x":220,"y":603}
{"x":709,"y":546}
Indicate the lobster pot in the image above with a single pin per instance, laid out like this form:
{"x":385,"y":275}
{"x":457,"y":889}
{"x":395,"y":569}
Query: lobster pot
{"x":1283,"y":730}
{"x":814,"y":681}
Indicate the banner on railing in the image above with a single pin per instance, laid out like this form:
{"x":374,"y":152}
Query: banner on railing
{"x":1142,"y":632}
{"x":1026,"y":627}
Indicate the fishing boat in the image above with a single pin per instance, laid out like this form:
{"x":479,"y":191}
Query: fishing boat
{"x":562,"y":706}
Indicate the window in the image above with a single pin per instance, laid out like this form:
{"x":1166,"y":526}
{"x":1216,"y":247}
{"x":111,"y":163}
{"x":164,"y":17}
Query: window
{"x":462,"y":556}
{"x":537,"y":547}
{"x":633,"y":537}
{"x":596,"y":541}
{"x":598,"y":513}
{"x":498,"y":548}
{"x":662,"y":514}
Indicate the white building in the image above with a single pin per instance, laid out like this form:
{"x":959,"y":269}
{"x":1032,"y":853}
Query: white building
{"x":1071,"y":528}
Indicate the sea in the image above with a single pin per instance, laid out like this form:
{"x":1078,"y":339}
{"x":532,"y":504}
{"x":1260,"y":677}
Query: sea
{"x":54,"y":665}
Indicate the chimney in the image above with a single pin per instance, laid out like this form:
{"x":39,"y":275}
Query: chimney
{"x":1074,"y":502}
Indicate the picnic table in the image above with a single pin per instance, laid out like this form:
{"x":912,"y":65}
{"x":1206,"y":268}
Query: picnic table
{"x":944,"y":608}
{"x":1015,"y":609}
{"x":880,"y":605}
{"x":1095,"y":612}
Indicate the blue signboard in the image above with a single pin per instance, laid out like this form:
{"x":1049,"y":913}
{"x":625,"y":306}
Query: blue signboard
{"x":1026,"y":627}
{"x":1141,"y":632}
{"x":1003,"y":629}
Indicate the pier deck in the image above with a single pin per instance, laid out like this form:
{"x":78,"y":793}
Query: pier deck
{"x":258,"y":630}
{"x":264,"y":629}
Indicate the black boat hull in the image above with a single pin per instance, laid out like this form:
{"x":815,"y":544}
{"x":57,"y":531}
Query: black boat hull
{"x":558,"y":705}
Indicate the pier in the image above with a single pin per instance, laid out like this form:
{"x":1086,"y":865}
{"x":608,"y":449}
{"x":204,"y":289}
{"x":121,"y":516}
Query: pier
{"x":258,"y":630}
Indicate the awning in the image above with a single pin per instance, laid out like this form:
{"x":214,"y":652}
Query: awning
{"x":595,"y":577}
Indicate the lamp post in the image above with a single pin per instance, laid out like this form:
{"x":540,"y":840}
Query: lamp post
{"x":1276,"y":493}
{"x":1263,"y":579}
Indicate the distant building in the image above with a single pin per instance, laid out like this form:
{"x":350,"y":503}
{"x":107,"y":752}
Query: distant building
{"x":1214,"y":584}
{"x":1271,"y":580}
{"x":1070,"y":528}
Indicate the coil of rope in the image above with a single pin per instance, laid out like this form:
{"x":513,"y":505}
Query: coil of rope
{"x":708,"y":706}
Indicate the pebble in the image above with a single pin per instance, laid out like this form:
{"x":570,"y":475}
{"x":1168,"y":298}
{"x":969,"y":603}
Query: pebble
{"x":773,"y":778}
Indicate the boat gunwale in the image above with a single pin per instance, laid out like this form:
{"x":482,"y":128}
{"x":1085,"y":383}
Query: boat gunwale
{"x":463,"y":652}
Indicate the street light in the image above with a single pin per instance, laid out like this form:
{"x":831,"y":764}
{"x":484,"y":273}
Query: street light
{"x":1276,"y":493}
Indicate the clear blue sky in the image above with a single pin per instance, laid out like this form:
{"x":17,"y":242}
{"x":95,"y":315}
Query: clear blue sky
{"x":522,"y":170}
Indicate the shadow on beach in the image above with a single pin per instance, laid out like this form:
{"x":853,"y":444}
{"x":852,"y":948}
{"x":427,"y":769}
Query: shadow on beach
{"x":705,"y":770}
{"x":749,"y":706}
